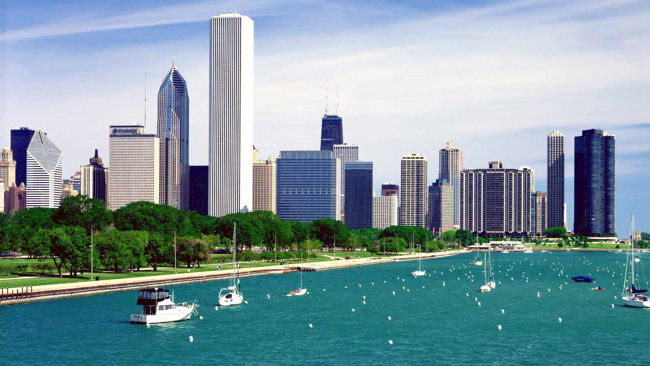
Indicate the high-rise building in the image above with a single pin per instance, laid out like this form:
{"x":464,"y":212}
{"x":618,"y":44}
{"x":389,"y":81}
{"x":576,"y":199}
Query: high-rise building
{"x":135,"y":166}
{"x":384,"y":211}
{"x":496,"y":201}
{"x":173,"y":131}
{"x":15,"y":198}
{"x":7,"y":168}
{"x":389,"y":189}
{"x":67,"y":190}
{"x":308,"y":186}
{"x":451,"y":163}
{"x":199,"y":191}
{"x":93,"y":178}
{"x":264,"y":185}
{"x":595,"y":183}
{"x":331,"y":131}
{"x":555,"y":178}
{"x":345,"y":153}
{"x":20,"y":139}
{"x":74,"y":181}
{"x":231,"y":114}
{"x":358,"y":193}
{"x":2,"y":199}
{"x":539,"y":213}
{"x":413,"y":209}
{"x":441,"y":207}
{"x":44,"y":170}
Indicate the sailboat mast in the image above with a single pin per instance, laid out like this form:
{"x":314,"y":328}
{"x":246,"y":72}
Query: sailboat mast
{"x":632,"y":244}
{"x":234,"y":254}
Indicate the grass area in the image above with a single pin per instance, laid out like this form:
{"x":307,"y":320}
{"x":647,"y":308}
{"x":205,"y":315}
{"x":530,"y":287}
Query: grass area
{"x":608,"y":246}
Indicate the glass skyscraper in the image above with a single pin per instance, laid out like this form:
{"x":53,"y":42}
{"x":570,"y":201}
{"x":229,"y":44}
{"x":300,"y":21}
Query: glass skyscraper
{"x":451,"y":163}
{"x":555,"y":178}
{"x":358,"y":194}
{"x":308,"y":186}
{"x":199,"y":191}
{"x":595,"y":183}
{"x":20,"y":139}
{"x":173,"y":131}
{"x":331,"y":132}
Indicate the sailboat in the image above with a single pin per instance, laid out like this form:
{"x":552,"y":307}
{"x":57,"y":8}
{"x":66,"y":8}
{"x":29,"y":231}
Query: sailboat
{"x":300,"y":290}
{"x":477,"y":260}
{"x":486,"y":287}
{"x":491,"y":282}
{"x":420,"y":271}
{"x":632,"y":296}
{"x":232,"y":295}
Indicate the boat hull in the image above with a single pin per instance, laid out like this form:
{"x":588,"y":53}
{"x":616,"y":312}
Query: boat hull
{"x":486,"y":288}
{"x":633,"y":302}
{"x":418,"y":273}
{"x":175,"y":315}
{"x":298,"y":292}
{"x":235,"y":299}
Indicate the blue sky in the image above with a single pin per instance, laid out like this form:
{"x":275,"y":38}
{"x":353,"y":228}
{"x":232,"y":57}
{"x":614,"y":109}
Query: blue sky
{"x":494,"y":76}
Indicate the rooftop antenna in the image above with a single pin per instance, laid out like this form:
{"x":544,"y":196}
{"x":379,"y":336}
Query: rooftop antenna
{"x":145,"y":102}
{"x":449,"y":143}
{"x":173,"y":60}
{"x":326,"y":99}
{"x":337,"y":101}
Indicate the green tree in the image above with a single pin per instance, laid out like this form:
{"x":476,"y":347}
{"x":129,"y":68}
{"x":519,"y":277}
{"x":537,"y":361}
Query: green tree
{"x":465,"y":237}
{"x":88,"y":213}
{"x":415,"y":234}
{"x":556,"y":232}
{"x":331,"y":232}
{"x":24,"y":223}
{"x":449,"y":236}
{"x":121,"y":250}
{"x":192,"y":251}
{"x":159,"y":250}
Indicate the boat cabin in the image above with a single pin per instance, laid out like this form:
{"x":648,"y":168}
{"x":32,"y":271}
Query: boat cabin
{"x":152,"y":296}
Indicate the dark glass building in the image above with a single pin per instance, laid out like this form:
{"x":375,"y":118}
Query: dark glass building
{"x":555,"y":178}
{"x":199,"y":189}
{"x":94,"y":186}
{"x":20,"y":140}
{"x":595,"y":184}
{"x":389,"y":189}
{"x":358,"y":194}
{"x":331,"y":132}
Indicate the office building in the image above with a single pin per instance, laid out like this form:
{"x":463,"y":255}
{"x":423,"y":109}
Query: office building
{"x":15,"y":198}
{"x":231,"y":114}
{"x":264,"y":185}
{"x":451,"y":163}
{"x":308,"y":186}
{"x":441,"y":207}
{"x":199,"y":192}
{"x":74,"y":181}
{"x":93,"y":178}
{"x":413,"y":209}
{"x":20,"y":140}
{"x":384,"y":211}
{"x":358,"y":194}
{"x":173,"y":131}
{"x":331,"y":131}
{"x":555,"y":178}
{"x":135,"y":166}
{"x":496,"y":201}
{"x":595,"y":184}
{"x":7,"y":168}
{"x":539,"y":213}
{"x":389,"y":189}
{"x":2,"y":199}
{"x":67,"y":190}
{"x":345,"y":153}
{"x":43,"y":173}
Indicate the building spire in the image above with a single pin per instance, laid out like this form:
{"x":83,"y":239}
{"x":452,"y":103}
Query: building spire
{"x":173,"y":60}
{"x":337,"y":100}
{"x":326,"y":99}
{"x":145,"y":102}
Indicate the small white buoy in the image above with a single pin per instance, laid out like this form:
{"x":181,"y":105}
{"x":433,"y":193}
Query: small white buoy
{"x":479,"y":304}
{"x":390,"y":341}
{"x":389,"y":318}
{"x":359,"y":285}
{"x":346,"y":286}
{"x":323,"y":290}
{"x":614,"y":297}
{"x":245,"y":302}
{"x":310,"y":325}
{"x":216,"y":308}
{"x":364,"y":297}
{"x":268,"y":296}
{"x":499,"y":326}
{"x":559,"y":320}
{"x":364,"y":302}
{"x":201,"y":317}
{"x":503,"y":311}
{"x":476,"y":299}
{"x":393,"y":293}
{"x":353,"y":310}
{"x":372,"y":283}
{"x":466,"y":294}
{"x":612,"y":306}
{"x":537,"y":293}
{"x":191,"y":339}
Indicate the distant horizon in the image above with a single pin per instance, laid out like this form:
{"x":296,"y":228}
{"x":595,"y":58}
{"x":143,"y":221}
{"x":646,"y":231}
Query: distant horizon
{"x":494,"y":77}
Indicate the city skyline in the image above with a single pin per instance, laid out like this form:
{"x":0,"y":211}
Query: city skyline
{"x":590,"y":107}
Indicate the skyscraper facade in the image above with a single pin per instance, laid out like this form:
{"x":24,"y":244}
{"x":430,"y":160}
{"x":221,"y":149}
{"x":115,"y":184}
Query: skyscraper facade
{"x":595,"y":183}
{"x":451,"y":163}
{"x":231,"y":114}
{"x":555,"y":178}
{"x":496,"y":201}
{"x":384,"y":211}
{"x":15,"y":198}
{"x":345,"y":153}
{"x":93,"y":178}
{"x":264,"y":185}
{"x":308,"y":186}
{"x":441,"y":207}
{"x":414,"y":205}
{"x":199,"y":191}
{"x":389,"y":189}
{"x":173,"y":131}
{"x":358,"y":194}
{"x":539,"y":213}
{"x":135,"y":166}
{"x":20,"y":139}
{"x":331,"y":132}
{"x":44,"y":170}
{"x":7,"y":168}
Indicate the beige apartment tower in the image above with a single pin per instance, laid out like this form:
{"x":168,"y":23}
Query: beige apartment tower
{"x":264,"y":185}
{"x":414,"y":205}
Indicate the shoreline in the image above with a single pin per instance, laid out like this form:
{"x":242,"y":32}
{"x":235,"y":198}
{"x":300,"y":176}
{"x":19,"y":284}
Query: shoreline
{"x":75,"y":289}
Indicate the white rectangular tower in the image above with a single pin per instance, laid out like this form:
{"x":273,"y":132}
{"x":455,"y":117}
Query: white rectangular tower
{"x":230,"y":181}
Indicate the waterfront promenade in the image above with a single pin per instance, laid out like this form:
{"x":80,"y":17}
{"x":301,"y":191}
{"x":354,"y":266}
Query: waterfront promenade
{"x":50,"y":292}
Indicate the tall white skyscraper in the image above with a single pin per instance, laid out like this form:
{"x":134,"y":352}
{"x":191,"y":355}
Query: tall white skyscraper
{"x":44,"y":172}
{"x":451,"y":163}
{"x":230,"y":181}
{"x":135,"y":166}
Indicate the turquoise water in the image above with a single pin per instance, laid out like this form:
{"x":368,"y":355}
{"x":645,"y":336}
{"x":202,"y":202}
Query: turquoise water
{"x":434,"y":322}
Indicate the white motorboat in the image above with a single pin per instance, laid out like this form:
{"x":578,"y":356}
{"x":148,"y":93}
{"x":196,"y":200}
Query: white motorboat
{"x":632,"y":296}
{"x":232,"y":295}
{"x":158,"y":307}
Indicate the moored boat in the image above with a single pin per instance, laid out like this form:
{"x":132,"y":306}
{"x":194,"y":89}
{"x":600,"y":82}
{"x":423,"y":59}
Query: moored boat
{"x":159,"y":307}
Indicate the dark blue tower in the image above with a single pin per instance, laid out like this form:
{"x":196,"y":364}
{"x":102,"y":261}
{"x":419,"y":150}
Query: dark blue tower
{"x":595,"y":184}
{"x":358,"y":194}
{"x":19,"y":142}
{"x":331,"y":132}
